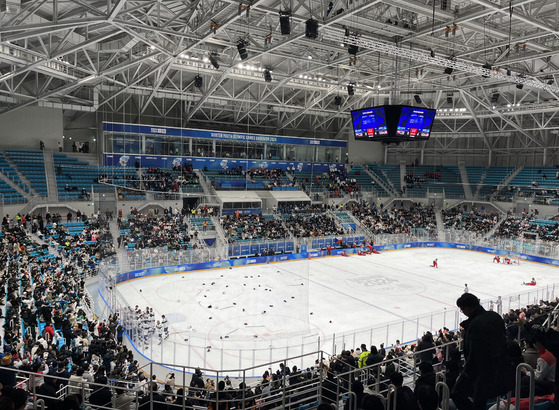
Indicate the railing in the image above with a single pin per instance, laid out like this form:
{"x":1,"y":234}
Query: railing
{"x":152,"y":257}
{"x":305,"y":388}
{"x":248,"y":247}
{"x":526,"y":246}
{"x":191,"y":348}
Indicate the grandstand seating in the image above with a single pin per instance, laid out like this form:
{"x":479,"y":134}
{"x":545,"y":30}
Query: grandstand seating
{"x":450,"y":182}
{"x":365,"y":182}
{"x":189,"y":182}
{"x":78,"y":175}
{"x":198,"y":224}
{"x":30,"y":163}
{"x":221,"y":180}
{"x":543,"y":176}
{"x":9,"y":171}
{"x":474,"y":176}
{"x":379,"y":173}
{"x":9,"y":194}
{"x":345,"y":219}
{"x":545,"y":179}
{"x":393,"y":175}
{"x":493,"y":177}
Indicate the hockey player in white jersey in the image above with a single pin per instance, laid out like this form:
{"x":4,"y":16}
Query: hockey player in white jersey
{"x":165,"y":324}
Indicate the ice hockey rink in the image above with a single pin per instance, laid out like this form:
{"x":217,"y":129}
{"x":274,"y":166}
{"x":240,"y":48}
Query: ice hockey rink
{"x":231,"y":318}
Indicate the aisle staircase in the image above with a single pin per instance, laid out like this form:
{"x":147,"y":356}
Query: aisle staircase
{"x":17,"y":188}
{"x":50,"y":176}
{"x":121,"y":254}
{"x":389,"y":190}
{"x":465,"y":180}
{"x":440,"y":223}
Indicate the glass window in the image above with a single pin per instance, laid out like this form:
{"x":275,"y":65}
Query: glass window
{"x":305,"y":153}
{"x":201,"y":147}
{"x":171,"y":146}
{"x":154,"y":145}
{"x":124,"y":143}
{"x":186,"y":146}
{"x":291,"y":153}
{"x":225,"y":149}
{"x":255,"y":151}
{"x":275,"y":151}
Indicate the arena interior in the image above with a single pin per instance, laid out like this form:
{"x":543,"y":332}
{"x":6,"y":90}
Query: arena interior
{"x":274,"y":204}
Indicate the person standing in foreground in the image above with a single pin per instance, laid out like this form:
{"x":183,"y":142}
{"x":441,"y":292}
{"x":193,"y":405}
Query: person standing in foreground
{"x":486,"y":371}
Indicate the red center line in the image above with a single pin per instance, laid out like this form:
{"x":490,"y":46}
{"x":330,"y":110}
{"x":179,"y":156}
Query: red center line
{"x":331,"y":266}
{"x":436,"y":300}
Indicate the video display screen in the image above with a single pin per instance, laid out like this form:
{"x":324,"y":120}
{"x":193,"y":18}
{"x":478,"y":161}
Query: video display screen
{"x":415,"y":123}
{"x":370,"y":123}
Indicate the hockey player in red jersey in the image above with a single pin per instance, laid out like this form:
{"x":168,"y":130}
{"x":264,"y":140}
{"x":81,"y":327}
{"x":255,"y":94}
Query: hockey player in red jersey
{"x":532,"y":283}
{"x":497,"y":259}
{"x":435,"y":264}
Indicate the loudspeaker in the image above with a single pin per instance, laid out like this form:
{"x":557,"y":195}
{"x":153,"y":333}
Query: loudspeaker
{"x":449,"y":98}
{"x":417,"y":99}
{"x":495,"y":97}
{"x":214,"y":62}
{"x":311,"y":28}
{"x":520,"y":86}
{"x":337,"y":100}
{"x":285,"y":24}
{"x":350,"y":90}
{"x":353,"y":49}
{"x":267,"y":76}
{"x":198,"y":81}
{"x":242,"y":48}
{"x":448,"y":70}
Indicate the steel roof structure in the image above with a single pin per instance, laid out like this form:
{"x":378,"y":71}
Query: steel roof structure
{"x":489,"y":67}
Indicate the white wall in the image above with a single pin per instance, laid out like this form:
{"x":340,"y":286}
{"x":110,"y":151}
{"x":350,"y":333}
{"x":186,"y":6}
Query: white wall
{"x":25,"y":127}
{"x":365,"y":152}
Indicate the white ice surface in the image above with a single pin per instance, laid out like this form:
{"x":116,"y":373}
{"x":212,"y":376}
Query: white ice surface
{"x":344,"y":296}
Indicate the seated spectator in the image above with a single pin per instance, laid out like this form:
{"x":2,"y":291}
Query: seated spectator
{"x":405,"y":398}
{"x":427,"y":398}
